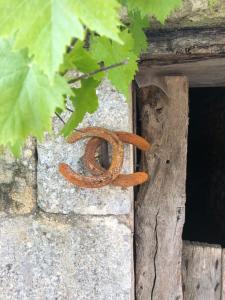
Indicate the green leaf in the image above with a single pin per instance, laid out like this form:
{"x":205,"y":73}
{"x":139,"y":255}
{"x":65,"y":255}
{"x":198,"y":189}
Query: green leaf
{"x":16,"y":148}
{"x":160,"y":9}
{"x":136,"y":28}
{"x":47,"y":26}
{"x":100,"y":15}
{"x":81,"y":60}
{"x":111,"y":53}
{"x":27,"y":100}
{"x":85,"y":100}
{"x":212,"y":3}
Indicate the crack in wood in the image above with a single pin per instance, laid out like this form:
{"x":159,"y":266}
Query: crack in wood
{"x":155,"y":255}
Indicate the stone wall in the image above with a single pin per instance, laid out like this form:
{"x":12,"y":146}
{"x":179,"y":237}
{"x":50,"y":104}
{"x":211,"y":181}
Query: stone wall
{"x":58,"y":241}
{"x":61,"y":242}
{"x":18,"y":181}
{"x":195,"y":13}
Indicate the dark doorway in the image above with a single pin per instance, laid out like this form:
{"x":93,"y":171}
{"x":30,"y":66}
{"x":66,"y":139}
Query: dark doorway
{"x":205,"y":187}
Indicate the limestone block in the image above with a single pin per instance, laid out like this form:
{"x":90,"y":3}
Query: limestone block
{"x":58,"y":258}
{"x":18,"y":181}
{"x":55,"y":194}
{"x":194,"y":13}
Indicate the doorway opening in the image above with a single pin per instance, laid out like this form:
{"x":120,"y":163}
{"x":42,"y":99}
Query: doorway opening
{"x":205,"y":185}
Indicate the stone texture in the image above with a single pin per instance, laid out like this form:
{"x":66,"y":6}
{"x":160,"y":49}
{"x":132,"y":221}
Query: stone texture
{"x":194,"y":13}
{"x":55,"y":194}
{"x":46,"y":258}
{"x":18,"y":181}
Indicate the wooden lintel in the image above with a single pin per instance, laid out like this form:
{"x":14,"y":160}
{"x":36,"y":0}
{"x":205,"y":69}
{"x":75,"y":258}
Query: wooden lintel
{"x":200,"y":73}
{"x":198,"y":54}
{"x":189,"y":42}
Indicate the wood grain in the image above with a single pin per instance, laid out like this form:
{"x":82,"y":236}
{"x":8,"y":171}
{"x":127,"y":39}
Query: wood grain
{"x":160,"y":206}
{"x":190,"y":42}
{"x":201,"y":271}
{"x":200,"y":73}
{"x":196,"y":53}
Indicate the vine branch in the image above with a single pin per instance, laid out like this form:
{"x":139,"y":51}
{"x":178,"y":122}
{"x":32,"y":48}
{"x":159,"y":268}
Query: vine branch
{"x":69,"y":109}
{"x":60,"y":118}
{"x":88,"y":75}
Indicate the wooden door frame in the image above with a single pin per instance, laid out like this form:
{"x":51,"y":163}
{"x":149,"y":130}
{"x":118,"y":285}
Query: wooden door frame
{"x":198,"y":55}
{"x":160,"y":204}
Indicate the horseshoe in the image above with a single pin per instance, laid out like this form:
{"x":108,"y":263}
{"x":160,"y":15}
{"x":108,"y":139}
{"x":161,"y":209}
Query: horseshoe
{"x":105,"y":177}
{"x":133,"y":139}
{"x":123,"y":180}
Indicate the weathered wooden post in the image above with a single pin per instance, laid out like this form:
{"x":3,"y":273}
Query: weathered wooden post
{"x":160,"y":205}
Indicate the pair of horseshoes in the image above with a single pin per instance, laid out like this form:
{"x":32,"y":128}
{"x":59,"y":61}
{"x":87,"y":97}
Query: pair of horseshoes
{"x":101,"y":176}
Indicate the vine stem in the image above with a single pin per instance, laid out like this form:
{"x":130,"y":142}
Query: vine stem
{"x":60,"y":118}
{"x":69,"y":109}
{"x":87,"y":75}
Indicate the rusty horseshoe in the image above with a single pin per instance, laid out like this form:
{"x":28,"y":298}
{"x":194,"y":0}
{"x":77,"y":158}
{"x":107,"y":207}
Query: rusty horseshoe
{"x":108,"y":175}
{"x":123,"y":180}
{"x":101,"y":176}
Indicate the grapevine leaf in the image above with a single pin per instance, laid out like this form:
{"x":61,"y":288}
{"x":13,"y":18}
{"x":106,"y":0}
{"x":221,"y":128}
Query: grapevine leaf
{"x":46,"y":27}
{"x":160,"y":9}
{"x":136,"y":28}
{"x":212,"y":3}
{"x":100,"y":16}
{"x":81,"y":60}
{"x":16,"y":148}
{"x":121,"y":77}
{"x":85,"y":100}
{"x":111,"y":53}
{"x":27,"y":100}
